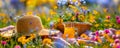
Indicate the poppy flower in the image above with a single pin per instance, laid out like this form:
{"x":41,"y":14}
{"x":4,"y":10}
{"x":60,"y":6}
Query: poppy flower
{"x":108,"y":17}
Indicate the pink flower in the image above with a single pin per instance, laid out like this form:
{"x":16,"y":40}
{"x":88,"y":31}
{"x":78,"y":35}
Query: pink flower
{"x":3,"y":42}
{"x":97,"y":33}
{"x":72,"y":40}
{"x":107,"y":31}
{"x":117,"y":36}
{"x":17,"y":46}
{"x":117,"y":17}
{"x":117,"y":41}
{"x":114,"y":36}
{"x":95,"y":39}
{"x":118,"y":21}
{"x":118,"y":45}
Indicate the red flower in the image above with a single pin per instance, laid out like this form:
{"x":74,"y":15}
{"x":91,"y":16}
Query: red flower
{"x":108,"y":17}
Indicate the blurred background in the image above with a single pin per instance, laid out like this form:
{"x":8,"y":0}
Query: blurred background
{"x":11,"y":10}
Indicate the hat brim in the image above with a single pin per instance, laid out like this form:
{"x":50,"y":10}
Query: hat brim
{"x":45,"y":32}
{"x":8,"y":34}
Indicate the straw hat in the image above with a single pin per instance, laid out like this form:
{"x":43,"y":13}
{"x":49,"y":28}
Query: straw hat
{"x":33,"y":24}
{"x":29,"y":24}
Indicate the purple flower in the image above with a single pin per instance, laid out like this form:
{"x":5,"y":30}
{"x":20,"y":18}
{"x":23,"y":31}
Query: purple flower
{"x":3,"y":42}
{"x":17,"y":46}
{"x":118,"y":21}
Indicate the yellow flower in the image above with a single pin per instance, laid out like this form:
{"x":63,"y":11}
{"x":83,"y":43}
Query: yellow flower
{"x":55,"y":7}
{"x":81,"y":42}
{"x":60,"y":20}
{"x":32,"y":36}
{"x":105,"y":46}
{"x":52,"y":12}
{"x":69,"y":14}
{"x":105,"y":10}
{"x":31,"y":4}
{"x":99,"y":40}
{"x":106,"y":20}
{"x":75,"y":9}
{"x":108,"y":38}
{"x":22,"y":0}
{"x":92,"y":19}
{"x":110,"y":25}
{"x":47,"y":41}
{"x":29,"y":13}
{"x":52,"y":1}
{"x":96,"y":25}
{"x":22,"y":37}
{"x":71,"y":6}
{"x":48,"y":19}
{"x":42,"y":1}
{"x":84,"y":36}
{"x":84,"y":7}
{"x":69,"y":32}
{"x":2,"y":14}
{"x":105,"y":25}
{"x":5,"y":20}
{"x":73,"y":18}
{"x":82,"y":17}
{"x":24,"y":40}
{"x":117,"y":32}
{"x":74,"y":0}
{"x":95,"y":12}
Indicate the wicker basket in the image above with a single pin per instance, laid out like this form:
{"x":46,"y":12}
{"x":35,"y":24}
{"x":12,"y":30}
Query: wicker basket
{"x":80,"y":27}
